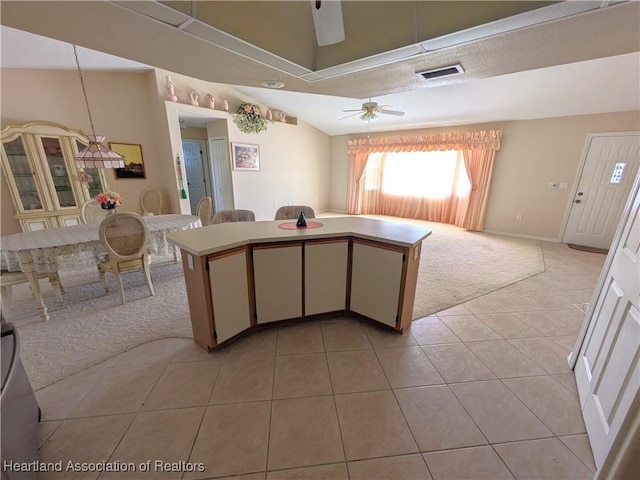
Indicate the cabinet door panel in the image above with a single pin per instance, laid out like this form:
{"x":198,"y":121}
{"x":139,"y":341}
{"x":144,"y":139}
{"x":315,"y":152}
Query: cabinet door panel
{"x":22,"y":172}
{"x":230,"y":295}
{"x":325,"y":276}
{"x":376,"y":277}
{"x":278,"y":282}
{"x":59,"y":171}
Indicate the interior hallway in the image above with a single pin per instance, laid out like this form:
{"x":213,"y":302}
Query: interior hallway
{"x":481,"y":390}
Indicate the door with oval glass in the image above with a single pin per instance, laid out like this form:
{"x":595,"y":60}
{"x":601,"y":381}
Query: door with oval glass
{"x":609,"y":168}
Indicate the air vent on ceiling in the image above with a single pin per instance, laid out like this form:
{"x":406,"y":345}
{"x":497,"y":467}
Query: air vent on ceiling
{"x":442,"y":72}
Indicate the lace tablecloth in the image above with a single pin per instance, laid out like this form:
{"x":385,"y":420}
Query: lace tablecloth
{"x":78,"y":246}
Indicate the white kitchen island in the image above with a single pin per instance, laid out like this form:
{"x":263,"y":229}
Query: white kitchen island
{"x":246,"y":274}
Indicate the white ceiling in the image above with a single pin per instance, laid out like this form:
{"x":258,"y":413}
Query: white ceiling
{"x":602,"y":85}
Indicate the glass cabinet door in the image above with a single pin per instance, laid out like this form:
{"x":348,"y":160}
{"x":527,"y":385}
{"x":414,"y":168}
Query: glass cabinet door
{"x":23,"y":174}
{"x":95,"y":187}
{"x":59,"y":173}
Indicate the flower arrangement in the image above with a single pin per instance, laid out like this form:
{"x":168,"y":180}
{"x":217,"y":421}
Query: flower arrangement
{"x":109,"y":200}
{"x":249,"y":118}
{"x":85,"y":178}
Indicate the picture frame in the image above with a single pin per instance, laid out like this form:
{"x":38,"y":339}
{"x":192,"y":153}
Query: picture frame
{"x":246,"y":156}
{"x":133,"y":161}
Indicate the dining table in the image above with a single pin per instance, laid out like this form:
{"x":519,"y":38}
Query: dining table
{"x":77,"y":247}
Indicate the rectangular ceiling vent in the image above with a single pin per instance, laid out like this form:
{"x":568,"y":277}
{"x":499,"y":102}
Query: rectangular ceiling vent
{"x":442,"y":72}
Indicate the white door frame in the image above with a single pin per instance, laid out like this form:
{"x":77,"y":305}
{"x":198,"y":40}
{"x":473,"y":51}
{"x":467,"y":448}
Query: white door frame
{"x":578,"y":176}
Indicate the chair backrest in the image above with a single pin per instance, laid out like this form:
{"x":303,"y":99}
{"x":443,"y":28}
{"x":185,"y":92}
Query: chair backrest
{"x":151,"y":201}
{"x":203,"y":210}
{"x":125,"y":236}
{"x":92,"y":212}
{"x":223,"y":216}
{"x":292,"y":212}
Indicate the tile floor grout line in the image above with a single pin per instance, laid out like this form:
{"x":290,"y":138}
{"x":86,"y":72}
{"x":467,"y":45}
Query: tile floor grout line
{"x":377,"y":351}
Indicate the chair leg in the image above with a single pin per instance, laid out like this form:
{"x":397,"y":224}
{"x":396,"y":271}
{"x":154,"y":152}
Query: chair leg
{"x":147,"y":274}
{"x":116,"y":272}
{"x":6,"y":299}
{"x":175,"y":254}
{"x":54,"y":280}
{"x":103,"y":279}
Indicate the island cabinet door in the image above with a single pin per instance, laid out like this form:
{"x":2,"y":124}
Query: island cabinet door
{"x":229,"y":294}
{"x":325,"y":276}
{"x":376,"y":280}
{"x":277,"y":273}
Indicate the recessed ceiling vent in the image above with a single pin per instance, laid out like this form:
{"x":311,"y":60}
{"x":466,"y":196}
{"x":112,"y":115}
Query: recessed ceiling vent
{"x":442,"y":72}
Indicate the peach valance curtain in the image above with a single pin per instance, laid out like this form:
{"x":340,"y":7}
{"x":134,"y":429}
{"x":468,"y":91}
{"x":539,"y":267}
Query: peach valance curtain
{"x":478,"y":149}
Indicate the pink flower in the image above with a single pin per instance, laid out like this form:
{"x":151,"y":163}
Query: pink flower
{"x":109,"y":198}
{"x":247,"y":108}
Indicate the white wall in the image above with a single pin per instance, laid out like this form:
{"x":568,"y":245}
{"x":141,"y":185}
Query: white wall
{"x":295,"y":160}
{"x":533,"y":154}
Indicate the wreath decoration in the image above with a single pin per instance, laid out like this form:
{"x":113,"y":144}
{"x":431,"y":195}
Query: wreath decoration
{"x":249,"y":119}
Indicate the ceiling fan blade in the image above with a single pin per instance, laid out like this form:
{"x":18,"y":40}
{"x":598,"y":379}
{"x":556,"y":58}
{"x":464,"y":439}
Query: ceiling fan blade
{"x":392,"y":112}
{"x":328,"y":22}
{"x":358,"y":112}
{"x":354,"y":110}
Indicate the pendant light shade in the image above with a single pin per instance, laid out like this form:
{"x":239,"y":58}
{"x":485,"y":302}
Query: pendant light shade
{"x":95,"y":155}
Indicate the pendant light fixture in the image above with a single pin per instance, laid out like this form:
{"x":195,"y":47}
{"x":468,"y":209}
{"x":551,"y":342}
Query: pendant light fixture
{"x":95,"y":155}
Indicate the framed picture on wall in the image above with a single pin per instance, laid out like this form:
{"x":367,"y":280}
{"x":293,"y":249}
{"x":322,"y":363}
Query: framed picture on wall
{"x":133,"y":162}
{"x":245,"y":156}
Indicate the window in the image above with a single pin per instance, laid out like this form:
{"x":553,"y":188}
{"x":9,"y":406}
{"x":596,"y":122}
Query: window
{"x":430,"y":175}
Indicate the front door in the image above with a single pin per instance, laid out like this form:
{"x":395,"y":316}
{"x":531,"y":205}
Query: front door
{"x":607,"y":364}
{"x":609,"y":169}
{"x":195,"y":171}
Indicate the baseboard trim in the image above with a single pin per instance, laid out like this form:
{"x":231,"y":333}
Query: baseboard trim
{"x":531,"y":237}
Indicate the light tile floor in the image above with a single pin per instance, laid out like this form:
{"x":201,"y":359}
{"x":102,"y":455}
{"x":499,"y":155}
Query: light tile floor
{"x":481,"y":390}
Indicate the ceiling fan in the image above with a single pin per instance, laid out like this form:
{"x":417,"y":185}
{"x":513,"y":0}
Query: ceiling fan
{"x":328,"y":22}
{"x":370,"y":110}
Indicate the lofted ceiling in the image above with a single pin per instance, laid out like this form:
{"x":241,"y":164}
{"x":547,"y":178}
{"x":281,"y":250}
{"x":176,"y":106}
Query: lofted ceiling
{"x":521,"y":59}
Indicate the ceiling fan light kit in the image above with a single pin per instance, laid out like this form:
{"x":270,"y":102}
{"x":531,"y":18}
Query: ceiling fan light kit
{"x":369,"y":111}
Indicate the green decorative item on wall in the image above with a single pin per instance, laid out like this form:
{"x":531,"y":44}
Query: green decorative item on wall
{"x":249,"y":119}
{"x":183,"y":192}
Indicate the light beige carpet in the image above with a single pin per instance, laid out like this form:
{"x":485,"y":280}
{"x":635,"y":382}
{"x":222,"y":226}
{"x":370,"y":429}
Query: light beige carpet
{"x":456,"y":266}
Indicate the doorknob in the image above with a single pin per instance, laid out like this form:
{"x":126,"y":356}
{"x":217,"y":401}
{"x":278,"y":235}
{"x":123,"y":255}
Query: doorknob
{"x":578,"y":201}
{"x":580,"y":194}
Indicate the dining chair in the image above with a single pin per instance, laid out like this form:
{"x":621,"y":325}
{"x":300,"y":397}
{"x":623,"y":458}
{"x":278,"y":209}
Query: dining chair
{"x":291,"y":212}
{"x":151,"y":201}
{"x":125,"y":237}
{"x":223,"y":216}
{"x":203,"y":210}
{"x":92,"y":212}
{"x":10,"y":279}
